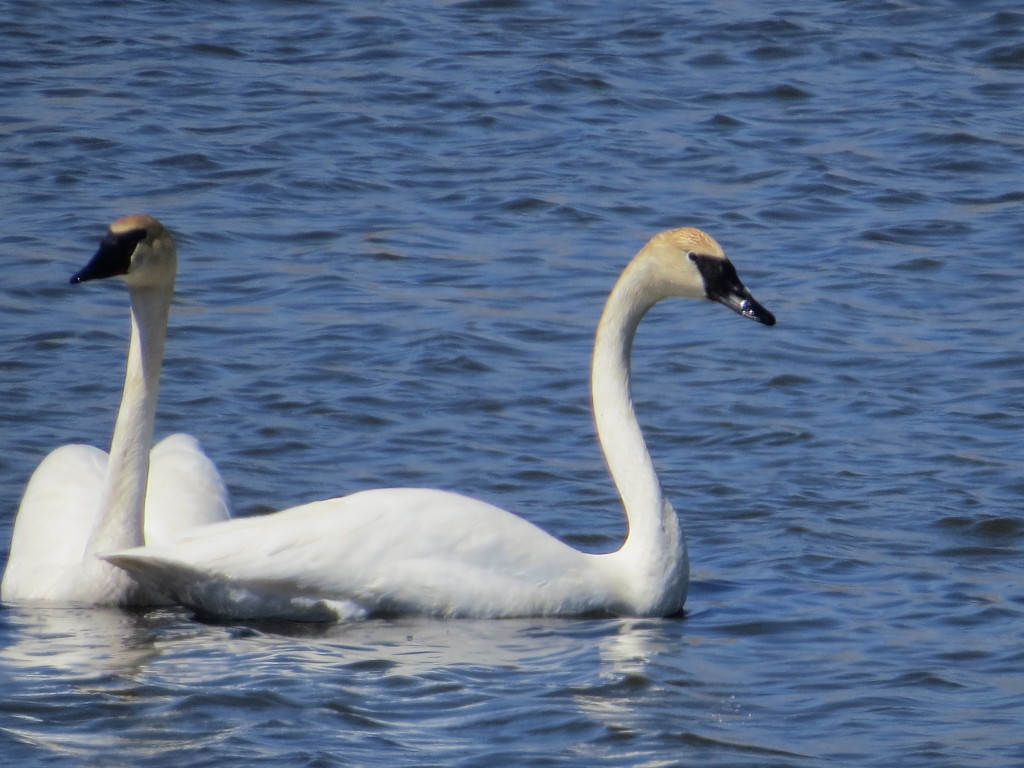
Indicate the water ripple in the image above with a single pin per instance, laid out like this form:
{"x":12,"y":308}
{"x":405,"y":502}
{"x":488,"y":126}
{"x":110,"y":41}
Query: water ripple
{"x":397,"y":226}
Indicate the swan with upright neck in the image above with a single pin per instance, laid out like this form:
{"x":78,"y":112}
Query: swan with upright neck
{"x":429,"y":552}
{"x":80,"y":501}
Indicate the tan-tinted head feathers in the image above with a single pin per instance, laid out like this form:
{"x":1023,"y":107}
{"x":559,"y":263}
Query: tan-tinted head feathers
{"x":136,"y":221}
{"x":693,"y":240}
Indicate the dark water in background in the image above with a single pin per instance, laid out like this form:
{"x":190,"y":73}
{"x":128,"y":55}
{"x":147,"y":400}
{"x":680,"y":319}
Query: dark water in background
{"x":397,"y":225}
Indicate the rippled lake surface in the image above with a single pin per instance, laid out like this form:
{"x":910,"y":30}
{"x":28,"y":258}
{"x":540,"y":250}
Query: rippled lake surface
{"x":397,"y":224}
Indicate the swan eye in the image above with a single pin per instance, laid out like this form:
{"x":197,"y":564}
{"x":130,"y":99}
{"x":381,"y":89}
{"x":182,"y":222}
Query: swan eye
{"x":121,"y":247}
{"x":129,"y":239}
{"x":723,"y":284}
{"x":720,"y":277}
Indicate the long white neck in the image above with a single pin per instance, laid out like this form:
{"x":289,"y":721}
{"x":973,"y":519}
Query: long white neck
{"x":653,"y":556}
{"x":122,"y":503}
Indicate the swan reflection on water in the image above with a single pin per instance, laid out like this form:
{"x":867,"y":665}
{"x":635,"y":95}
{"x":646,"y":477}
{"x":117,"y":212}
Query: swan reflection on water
{"x":137,"y":666}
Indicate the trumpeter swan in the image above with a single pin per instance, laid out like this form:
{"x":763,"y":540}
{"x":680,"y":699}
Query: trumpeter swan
{"x":430,"y":552}
{"x":80,"y":501}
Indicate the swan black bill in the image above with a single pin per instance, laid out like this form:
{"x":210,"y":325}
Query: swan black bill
{"x":747,"y":306}
{"x":738,"y":299}
{"x":113,"y":257}
{"x":722,"y":284}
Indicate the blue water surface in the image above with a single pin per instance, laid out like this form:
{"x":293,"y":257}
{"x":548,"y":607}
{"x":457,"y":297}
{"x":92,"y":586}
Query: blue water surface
{"x":397,"y":224}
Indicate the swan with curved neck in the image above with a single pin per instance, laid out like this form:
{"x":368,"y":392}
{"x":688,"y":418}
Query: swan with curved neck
{"x":429,"y":552}
{"x":81,"y":501}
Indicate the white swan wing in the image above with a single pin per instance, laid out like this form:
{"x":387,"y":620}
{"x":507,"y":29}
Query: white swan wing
{"x":54,"y":523}
{"x":400,"y":550}
{"x":185,"y":490}
{"x":59,"y":511}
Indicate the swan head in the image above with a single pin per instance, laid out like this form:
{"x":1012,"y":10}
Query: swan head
{"x":138,"y":249}
{"x":690,"y":263}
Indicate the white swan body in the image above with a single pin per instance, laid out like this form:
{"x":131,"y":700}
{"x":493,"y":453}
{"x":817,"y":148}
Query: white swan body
{"x":80,"y":501}
{"x":430,"y":552}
